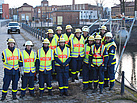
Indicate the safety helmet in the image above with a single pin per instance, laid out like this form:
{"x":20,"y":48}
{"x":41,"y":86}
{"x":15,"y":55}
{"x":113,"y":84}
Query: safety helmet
{"x":61,"y":40}
{"x":108,"y":34}
{"x":59,"y":28}
{"x":78,"y":31}
{"x":10,"y":41}
{"x":85,"y":28}
{"x":28,"y":43}
{"x":46,"y":41}
{"x":98,"y":37}
{"x":68,"y":27}
{"x":91,"y":38}
{"x":50,"y":31}
{"x":103,"y":27}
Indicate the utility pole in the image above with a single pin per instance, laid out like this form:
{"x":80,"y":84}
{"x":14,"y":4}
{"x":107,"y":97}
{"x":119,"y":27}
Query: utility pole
{"x":135,"y":7}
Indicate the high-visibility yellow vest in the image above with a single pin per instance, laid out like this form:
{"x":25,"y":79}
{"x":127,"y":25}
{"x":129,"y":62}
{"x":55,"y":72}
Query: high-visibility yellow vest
{"x":85,"y":38}
{"x":67,"y":38}
{"x":45,"y":59}
{"x":98,"y":57}
{"x":87,"y":50}
{"x":56,"y":36}
{"x":53,"y":43}
{"x":11,"y":59}
{"x":77,"y":47}
{"x":28,"y":61}
{"x":103,"y":40}
{"x":108,"y":45}
{"x":63,"y":56}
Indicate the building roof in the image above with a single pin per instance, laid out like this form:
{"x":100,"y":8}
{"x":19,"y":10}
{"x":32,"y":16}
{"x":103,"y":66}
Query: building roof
{"x":66,"y":11}
{"x":25,"y":5}
{"x":127,"y":4}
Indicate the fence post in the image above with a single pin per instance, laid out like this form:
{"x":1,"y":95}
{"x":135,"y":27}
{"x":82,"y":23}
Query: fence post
{"x":122,"y":83}
{"x":44,"y":34}
{"x":38,"y":33}
{"x":41,"y":34}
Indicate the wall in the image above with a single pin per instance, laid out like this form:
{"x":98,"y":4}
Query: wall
{"x":5,"y":10}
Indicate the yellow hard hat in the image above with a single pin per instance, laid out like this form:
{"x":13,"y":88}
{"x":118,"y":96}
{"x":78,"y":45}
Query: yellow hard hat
{"x":28,"y":43}
{"x":103,"y":27}
{"x":10,"y":41}
{"x":50,"y":31}
{"x":46,"y":41}
{"x":78,"y":31}
{"x":98,"y":37}
{"x":91,"y":38}
{"x":59,"y":28}
{"x":61,"y":40}
{"x":108,"y":34}
{"x":85,"y":28}
{"x":68,"y":27}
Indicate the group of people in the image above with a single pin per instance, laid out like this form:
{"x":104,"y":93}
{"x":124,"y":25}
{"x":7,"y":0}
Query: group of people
{"x":92,"y":56}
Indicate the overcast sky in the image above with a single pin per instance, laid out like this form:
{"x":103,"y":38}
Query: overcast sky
{"x":18,"y":3}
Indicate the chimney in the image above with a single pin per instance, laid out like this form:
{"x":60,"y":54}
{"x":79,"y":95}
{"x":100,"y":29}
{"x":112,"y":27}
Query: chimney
{"x":73,"y":2}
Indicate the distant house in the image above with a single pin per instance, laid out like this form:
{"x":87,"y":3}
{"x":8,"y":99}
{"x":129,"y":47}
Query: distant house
{"x":25,"y":12}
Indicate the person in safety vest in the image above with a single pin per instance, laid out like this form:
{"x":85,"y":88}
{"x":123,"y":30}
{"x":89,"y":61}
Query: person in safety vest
{"x":111,"y":48}
{"x":103,"y":31}
{"x":28,"y":57}
{"x":58,"y":34}
{"x":52,"y":39}
{"x":62,"y":58}
{"x":85,"y":34}
{"x":98,"y":58}
{"x":11,"y":63}
{"x":87,"y":72}
{"x":53,"y":44}
{"x":45,"y":57}
{"x":76,"y":45}
{"x":68,"y":35}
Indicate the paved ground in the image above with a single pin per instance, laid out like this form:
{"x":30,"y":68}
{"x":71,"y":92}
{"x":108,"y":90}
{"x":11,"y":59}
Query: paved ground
{"x":75,"y":89}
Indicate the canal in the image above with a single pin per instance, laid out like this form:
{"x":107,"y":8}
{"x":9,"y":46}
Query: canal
{"x":128,"y":64}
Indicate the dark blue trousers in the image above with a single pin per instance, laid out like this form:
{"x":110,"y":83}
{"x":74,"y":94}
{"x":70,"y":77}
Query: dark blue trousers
{"x":27,"y":80}
{"x":87,"y":76}
{"x":111,"y":74}
{"x":98,"y":76}
{"x":62,"y":77}
{"x":45,"y":77}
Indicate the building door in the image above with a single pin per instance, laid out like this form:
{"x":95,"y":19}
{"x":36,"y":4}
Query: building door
{"x":59,"y":20}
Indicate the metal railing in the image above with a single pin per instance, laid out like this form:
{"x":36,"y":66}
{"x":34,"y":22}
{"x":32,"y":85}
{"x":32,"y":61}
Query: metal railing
{"x":4,"y":22}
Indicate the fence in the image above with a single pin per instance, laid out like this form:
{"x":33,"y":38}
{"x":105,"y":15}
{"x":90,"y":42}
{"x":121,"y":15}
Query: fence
{"x":4,"y":22}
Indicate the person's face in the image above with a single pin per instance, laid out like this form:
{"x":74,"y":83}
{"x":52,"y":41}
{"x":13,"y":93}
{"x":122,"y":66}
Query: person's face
{"x":68,"y":30}
{"x":50,"y":35}
{"x":78,"y":34}
{"x":28,"y":47}
{"x":11,"y":44}
{"x":98,"y":41}
{"x":59,"y":31}
{"x":45,"y":45}
{"x":62,"y":44}
{"x":90,"y":42}
{"x":85,"y":33}
{"x":103,"y":31}
{"x":108,"y":39}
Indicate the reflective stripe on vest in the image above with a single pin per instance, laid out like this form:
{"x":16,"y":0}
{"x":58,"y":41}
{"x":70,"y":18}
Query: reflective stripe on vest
{"x":11,"y":59}
{"x":98,"y":55}
{"x":45,"y":59}
{"x":87,"y":50}
{"x":108,"y":45}
{"x":67,"y":38}
{"x":53,"y":43}
{"x":63,"y":56}
{"x":28,"y":61}
{"x":77,"y":47}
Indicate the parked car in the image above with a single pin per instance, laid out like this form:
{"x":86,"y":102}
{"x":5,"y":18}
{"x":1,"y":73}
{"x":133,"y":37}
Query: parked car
{"x":13,"y":27}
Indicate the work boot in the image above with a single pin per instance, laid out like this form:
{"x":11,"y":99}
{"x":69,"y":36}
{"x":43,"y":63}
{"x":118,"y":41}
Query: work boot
{"x":22,"y":96}
{"x":61,"y":93}
{"x":95,"y":90}
{"x":106,"y":85}
{"x":101,"y":91}
{"x":84,"y":89}
{"x":66,"y":93}
{"x":73,"y":80}
{"x":50,"y":93}
{"x":3,"y":98}
{"x":14,"y":97}
{"x":77,"y":78}
{"x":90,"y":87}
{"x":32,"y":94}
{"x":41,"y":95}
{"x":111,"y":88}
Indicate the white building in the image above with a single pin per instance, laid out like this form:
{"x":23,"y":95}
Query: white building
{"x":88,"y":14}
{"x":1,"y":2}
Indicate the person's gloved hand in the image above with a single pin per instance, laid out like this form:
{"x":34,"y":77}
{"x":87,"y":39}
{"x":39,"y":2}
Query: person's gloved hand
{"x":105,"y":68}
